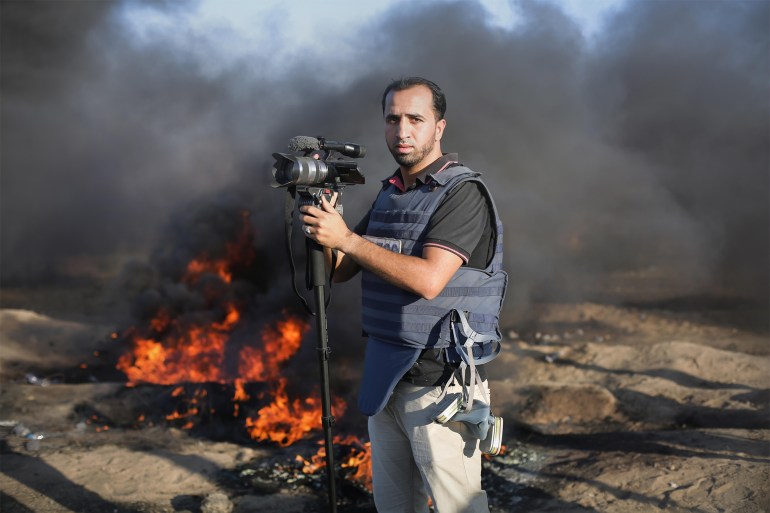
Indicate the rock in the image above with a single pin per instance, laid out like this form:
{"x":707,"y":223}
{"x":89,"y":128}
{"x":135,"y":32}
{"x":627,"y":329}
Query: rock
{"x":561,"y":408}
{"x":216,"y":502}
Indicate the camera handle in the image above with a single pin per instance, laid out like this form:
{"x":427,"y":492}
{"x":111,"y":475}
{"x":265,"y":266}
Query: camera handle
{"x":289,"y":207}
{"x":316,"y":279}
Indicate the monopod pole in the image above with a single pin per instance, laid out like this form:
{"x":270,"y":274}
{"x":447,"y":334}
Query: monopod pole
{"x":318,"y":277}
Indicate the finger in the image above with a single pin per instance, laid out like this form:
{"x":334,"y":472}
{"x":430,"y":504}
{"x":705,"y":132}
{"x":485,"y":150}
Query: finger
{"x":310,"y":213}
{"x":327,"y":207}
{"x":306,"y":209}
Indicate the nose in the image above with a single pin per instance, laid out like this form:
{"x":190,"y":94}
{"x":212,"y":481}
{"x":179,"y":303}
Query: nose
{"x":403,"y":129}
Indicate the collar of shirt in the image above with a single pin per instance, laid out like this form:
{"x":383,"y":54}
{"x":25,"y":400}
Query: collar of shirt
{"x":424,"y":176}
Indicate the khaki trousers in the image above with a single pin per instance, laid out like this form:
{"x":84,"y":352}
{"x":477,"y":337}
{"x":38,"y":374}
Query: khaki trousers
{"x":414,"y":458}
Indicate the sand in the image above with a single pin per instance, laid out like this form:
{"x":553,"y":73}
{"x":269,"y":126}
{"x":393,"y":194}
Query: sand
{"x":607,"y":409}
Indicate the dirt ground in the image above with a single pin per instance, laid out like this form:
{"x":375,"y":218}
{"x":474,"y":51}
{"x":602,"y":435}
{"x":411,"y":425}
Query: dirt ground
{"x":611,"y":409}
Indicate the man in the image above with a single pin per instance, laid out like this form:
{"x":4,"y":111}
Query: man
{"x":429,"y":251}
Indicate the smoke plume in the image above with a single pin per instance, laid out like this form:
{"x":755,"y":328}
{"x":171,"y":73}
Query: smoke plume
{"x":640,"y":154}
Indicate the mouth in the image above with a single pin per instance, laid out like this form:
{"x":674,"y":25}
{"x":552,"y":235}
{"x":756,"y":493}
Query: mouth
{"x":403,"y":148}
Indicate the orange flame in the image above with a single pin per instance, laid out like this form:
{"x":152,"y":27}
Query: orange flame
{"x":359,"y":459}
{"x":192,"y":356}
{"x":237,"y":253}
{"x":198,"y":267}
{"x":279,"y":345}
{"x":240,"y":392}
{"x":161,"y":321}
{"x":173,"y":351}
{"x":316,"y":463}
{"x":284,"y":421}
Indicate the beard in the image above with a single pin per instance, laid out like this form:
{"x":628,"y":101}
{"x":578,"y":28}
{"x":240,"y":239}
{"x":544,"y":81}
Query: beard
{"x":413,"y":158}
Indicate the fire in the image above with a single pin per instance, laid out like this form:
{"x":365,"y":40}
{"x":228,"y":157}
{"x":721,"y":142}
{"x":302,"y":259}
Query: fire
{"x":359,"y":460}
{"x":161,"y":321}
{"x":192,"y":409}
{"x":316,"y":463}
{"x":199,"y":347}
{"x":239,"y":253}
{"x":196,"y":268}
{"x":194,"y":354}
{"x":240,"y":392}
{"x":285,"y":422}
{"x":197,"y":356}
{"x":278,"y":345}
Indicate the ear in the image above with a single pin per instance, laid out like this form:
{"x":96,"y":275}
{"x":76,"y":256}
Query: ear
{"x":440,"y":126}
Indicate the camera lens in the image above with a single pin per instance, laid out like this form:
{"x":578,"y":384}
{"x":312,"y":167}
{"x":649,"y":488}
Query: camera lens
{"x":289,"y":169}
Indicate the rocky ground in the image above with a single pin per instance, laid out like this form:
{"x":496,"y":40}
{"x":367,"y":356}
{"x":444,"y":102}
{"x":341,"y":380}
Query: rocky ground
{"x":633,"y":408}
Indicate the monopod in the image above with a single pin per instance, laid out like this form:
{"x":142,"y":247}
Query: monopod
{"x":315,"y":279}
{"x":318,"y":282}
{"x":306,"y":178}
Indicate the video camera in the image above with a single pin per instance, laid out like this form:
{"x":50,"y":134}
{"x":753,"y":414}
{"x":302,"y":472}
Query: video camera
{"x":319,"y":172}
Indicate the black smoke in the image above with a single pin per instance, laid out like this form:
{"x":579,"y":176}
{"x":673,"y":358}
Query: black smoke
{"x":638,"y":157}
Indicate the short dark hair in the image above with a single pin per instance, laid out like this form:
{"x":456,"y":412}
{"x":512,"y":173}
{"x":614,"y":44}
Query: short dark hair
{"x":439,"y":100}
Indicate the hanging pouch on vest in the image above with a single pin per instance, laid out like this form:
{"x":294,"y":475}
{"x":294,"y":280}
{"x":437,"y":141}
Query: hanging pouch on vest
{"x":478,"y":419}
{"x":448,"y":407}
{"x":465,"y":338}
{"x":474,"y":413}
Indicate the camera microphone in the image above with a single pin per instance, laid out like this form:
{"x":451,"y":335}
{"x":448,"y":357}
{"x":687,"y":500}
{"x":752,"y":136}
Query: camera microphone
{"x":305,"y":143}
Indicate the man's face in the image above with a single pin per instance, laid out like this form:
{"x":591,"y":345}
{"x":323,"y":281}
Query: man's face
{"x":411,"y":130}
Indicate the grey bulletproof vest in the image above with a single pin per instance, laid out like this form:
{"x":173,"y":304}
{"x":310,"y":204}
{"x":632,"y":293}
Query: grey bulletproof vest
{"x":396,"y":316}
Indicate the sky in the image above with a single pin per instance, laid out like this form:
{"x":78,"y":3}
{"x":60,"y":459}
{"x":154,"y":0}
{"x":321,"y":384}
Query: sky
{"x":245,"y":15}
{"x":240,"y":27}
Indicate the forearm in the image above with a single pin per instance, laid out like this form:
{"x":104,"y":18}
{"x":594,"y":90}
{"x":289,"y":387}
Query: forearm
{"x":425,"y":275}
{"x":414,"y":274}
{"x":345,"y":267}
